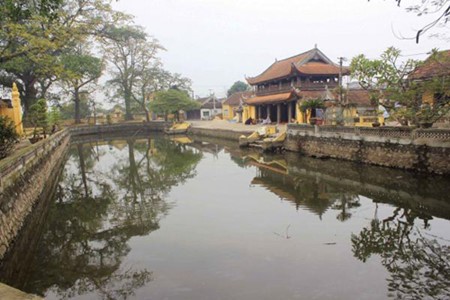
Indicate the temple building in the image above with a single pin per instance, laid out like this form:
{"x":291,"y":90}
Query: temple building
{"x":286,"y":83}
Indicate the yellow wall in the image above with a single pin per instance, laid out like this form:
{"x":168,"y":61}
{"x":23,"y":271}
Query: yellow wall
{"x":228,"y":112}
{"x":428,"y":97}
{"x":252,"y":112}
{"x":14,"y":113}
{"x":249,"y":111}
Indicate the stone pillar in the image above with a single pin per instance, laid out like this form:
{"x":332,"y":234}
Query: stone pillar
{"x":289,"y":111}
{"x":17,"y":109}
{"x":278,"y":113}
{"x":268,"y":110}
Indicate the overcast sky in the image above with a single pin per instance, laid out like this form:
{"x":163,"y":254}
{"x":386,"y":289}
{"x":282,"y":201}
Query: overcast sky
{"x":217,"y":42}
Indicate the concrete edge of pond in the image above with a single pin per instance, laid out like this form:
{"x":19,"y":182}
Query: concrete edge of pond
{"x":10,"y":293}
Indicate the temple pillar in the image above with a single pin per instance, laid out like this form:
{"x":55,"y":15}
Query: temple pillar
{"x":268,"y":111}
{"x":289,"y":112}
{"x":259,"y":112}
{"x":278,"y":113}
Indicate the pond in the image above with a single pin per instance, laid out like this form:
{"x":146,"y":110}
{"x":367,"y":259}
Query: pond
{"x":160,"y":218}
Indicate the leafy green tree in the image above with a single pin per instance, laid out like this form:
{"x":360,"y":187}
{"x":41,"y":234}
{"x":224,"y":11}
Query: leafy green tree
{"x":54,"y":116}
{"x":388,"y":81}
{"x":38,"y":116}
{"x":171,"y":102}
{"x":68,"y":109}
{"x":154,"y":79}
{"x":81,"y":69}
{"x":132,"y":53}
{"x":35,"y":33}
{"x":8,"y":136}
{"x":238,"y":86}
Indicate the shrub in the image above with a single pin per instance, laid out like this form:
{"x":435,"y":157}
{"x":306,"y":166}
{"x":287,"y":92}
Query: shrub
{"x":8,"y":136}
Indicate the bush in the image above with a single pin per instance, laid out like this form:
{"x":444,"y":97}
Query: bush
{"x":8,"y":136}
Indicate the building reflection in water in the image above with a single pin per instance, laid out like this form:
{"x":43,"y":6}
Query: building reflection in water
{"x":418,"y":265}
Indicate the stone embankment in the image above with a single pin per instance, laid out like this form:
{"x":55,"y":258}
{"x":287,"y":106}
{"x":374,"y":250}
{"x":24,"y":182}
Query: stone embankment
{"x":22,"y":179}
{"x":422,"y":150}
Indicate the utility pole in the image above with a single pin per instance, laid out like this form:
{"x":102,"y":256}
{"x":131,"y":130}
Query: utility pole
{"x":214,"y":102}
{"x":341,"y":60}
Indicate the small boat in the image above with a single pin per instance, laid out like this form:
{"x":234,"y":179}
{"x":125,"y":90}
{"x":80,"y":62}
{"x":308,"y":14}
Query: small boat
{"x":261,"y":133}
{"x":273,"y":143}
{"x":178,"y":128}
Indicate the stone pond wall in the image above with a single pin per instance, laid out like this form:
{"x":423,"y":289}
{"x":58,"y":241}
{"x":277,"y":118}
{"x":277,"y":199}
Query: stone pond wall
{"x":23,"y":177}
{"x":423,"y":150}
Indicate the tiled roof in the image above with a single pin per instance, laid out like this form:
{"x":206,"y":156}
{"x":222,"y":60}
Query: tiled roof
{"x":320,"y":68}
{"x":235,"y":99}
{"x":435,"y":65}
{"x":358,"y":97}
{"x":210,"y":104}
{"x":270,"y":99}
{"x":307,"y":63}
{"x":278,"y":69}
{"x":306,"y":95}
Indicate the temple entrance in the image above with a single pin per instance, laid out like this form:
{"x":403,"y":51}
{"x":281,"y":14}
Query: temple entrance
{"x":284,"y":114}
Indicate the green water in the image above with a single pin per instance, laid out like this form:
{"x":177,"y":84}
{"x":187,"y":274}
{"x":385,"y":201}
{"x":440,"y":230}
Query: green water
{"x":158,"y":219}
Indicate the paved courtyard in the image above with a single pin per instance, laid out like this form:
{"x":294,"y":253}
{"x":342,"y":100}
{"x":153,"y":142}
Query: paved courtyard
{"x":226,"y":125}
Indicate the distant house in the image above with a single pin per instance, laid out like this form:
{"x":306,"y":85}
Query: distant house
{"x":286,"y":83}
{"x":232,"y":106}
{"x":436,"y":66}
{"x":356,"y":109}
{"x":209,"y":108}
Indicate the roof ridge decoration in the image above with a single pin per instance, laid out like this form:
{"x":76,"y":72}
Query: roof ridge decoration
{"x":313,"y":53}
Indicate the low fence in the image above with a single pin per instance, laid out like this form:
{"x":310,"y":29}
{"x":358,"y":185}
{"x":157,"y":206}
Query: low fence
{"x":432,"y":136}
{"x":100,"y":130}
{"x":25,"y":159}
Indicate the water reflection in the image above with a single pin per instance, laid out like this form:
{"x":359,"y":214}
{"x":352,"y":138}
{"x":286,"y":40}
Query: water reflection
{"x":97,"y":209}
{"x":342,"y":217}
{"x":419,"y":266}
{"x":308,"y":192}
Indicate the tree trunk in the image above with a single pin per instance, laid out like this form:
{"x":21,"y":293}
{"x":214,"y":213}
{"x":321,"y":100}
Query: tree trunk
{"x":76,"y":99}
{"x":29,"y":97}
{"x":127,"y":98}
{"x":83,"y":169}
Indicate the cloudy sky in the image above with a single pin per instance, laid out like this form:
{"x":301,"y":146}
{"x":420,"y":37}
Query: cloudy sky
{"x":217,"y":42}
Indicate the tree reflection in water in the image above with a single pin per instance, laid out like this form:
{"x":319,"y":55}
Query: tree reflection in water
{"x":94,"y":215}
{"x":419,"y":267}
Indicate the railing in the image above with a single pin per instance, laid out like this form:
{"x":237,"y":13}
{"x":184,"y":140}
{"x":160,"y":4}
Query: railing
{"x":384,"y":133}
{"x":284,"y":88}
{"x":11,"y":165}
